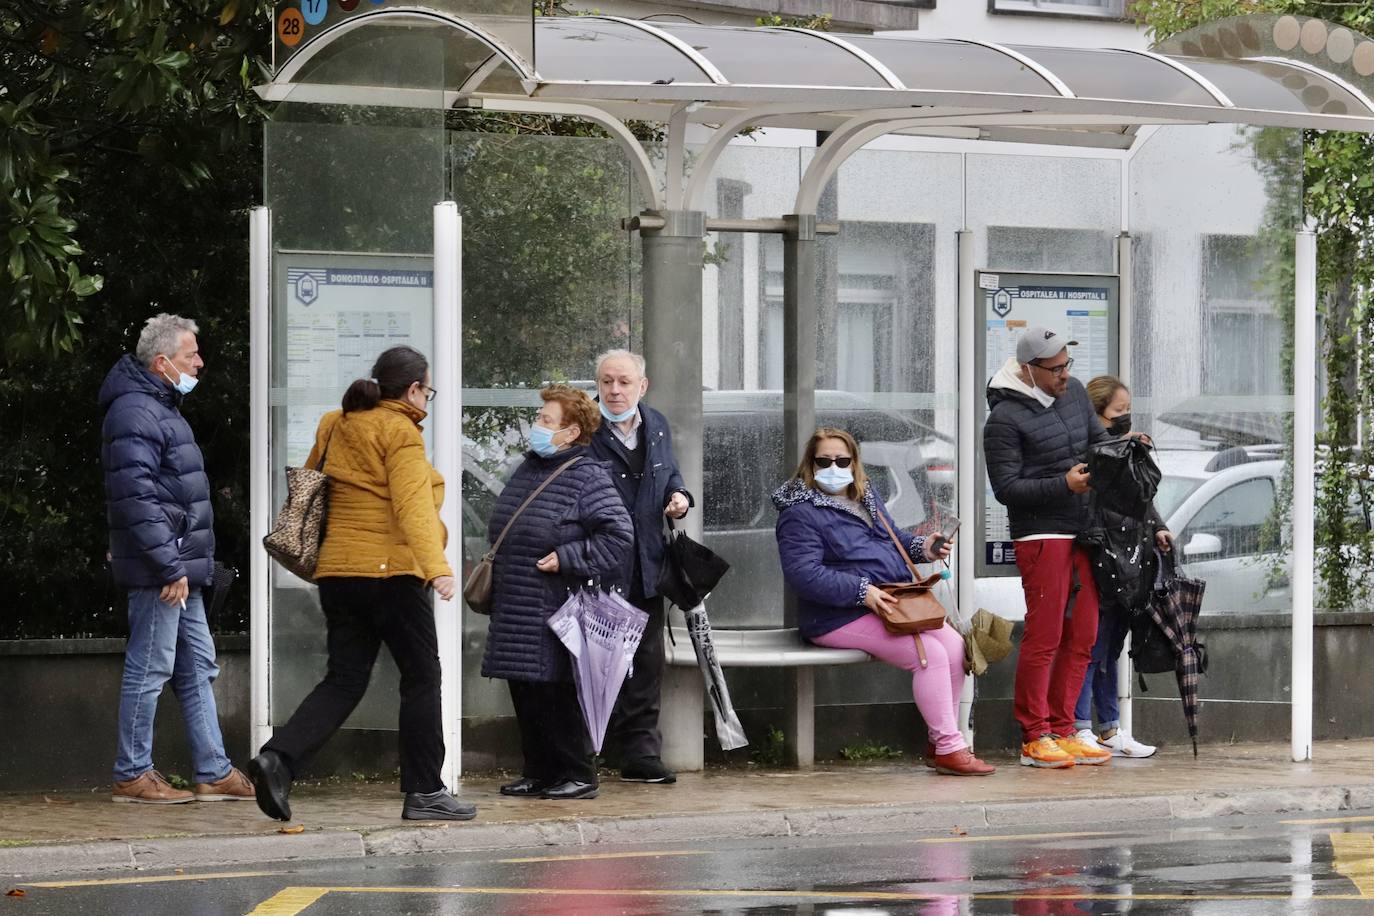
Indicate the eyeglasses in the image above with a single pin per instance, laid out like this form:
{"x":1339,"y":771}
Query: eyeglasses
{"x":429,"y":393}
{"x":1060,"y":369}
{"x":838,"y":462}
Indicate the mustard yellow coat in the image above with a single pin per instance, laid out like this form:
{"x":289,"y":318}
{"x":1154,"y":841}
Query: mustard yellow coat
{"x":384,"y":496}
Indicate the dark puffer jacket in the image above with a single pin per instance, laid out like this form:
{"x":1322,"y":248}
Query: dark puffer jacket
{"x":1029,"y":448}
{"x":580,"y":516}
{"x":157,"y":496}
{"x":830,"y":556}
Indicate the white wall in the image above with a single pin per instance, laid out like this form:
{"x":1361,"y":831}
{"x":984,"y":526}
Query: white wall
{"x":971,"y":19}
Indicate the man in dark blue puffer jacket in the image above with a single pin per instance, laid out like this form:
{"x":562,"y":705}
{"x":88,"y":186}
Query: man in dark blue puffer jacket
{"x":162,"y":547}
{"x":1040,"y":424}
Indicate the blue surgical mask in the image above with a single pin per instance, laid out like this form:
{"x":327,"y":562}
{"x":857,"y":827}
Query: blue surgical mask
{"x":185,"y":383}
{"x":541,"y":440}
{"x":834,"y":479}
{"x":617,"y":417}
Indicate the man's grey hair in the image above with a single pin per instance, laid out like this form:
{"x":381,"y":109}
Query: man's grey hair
{"x":620,"y":354}
{"x":161,"y":336}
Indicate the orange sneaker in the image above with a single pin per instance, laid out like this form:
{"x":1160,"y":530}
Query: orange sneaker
{"x":1082,"y":752}
{"x":1045,"y":752}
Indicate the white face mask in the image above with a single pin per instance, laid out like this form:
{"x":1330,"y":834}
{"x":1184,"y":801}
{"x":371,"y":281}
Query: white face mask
{"x":1045,"y":400}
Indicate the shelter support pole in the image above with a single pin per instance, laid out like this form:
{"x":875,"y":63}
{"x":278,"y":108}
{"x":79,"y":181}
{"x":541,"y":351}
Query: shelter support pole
{"x":260,"y":473}
{"x":1125,"y":347}
{"x":800,"y":313}
{"x":964,"y":556}
{"x":1304,"y":486}
{"x":448,"y":461}
{"x":672,"y":351}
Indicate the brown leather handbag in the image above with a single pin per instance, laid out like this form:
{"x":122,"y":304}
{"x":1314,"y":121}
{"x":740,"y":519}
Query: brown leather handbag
{"x":917,"y":607}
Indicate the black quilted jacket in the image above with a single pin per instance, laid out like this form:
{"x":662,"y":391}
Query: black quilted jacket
{"x":582,"y":517}
{"x":1029,"y":449}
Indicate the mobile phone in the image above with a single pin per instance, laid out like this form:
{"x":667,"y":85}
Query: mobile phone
{"x":947,"y":533}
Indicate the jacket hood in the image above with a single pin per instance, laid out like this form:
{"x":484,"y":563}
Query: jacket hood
{"x":1008,"y":382}
{"x":128,"y":376}
{"x":796,"y":491}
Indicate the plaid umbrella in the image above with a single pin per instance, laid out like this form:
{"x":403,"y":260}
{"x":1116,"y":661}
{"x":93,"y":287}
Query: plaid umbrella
{"x":1175,"y":606}
{"x":602,"y":631}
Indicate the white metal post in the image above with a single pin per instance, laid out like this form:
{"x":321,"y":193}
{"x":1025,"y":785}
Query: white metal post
{"x":259,"y":474}
{"x":1304,"y":486}
{"x":1125,"y":347}
{"x":968,"y":391}
{"x":447,"y":413}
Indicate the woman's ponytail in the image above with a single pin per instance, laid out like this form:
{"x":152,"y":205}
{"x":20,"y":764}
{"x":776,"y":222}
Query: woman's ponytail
{"x":363,"y":394}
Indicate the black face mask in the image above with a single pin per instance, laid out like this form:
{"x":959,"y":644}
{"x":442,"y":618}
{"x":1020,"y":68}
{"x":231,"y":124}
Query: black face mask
{"x":1120,"y":425}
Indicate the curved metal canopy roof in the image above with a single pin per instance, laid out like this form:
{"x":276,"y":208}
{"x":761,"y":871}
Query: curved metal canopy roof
{"x":631,"y":68}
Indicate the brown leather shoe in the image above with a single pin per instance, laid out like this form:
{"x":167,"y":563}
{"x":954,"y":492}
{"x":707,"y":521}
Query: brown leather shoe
{"x":930,"y":754}
{"x":234,"y":787}
{"x":149,"y":789}
{"x":962,"y":763}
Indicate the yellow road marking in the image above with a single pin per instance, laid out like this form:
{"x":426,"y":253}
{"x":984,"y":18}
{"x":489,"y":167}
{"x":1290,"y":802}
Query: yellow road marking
{"x":610,"y":855}
{"x":1353,"y":856}
{"x":151,"y":879}
{"x":289,"y":901}
{"x":1010,"y":836}
{"x":1334,"y":820}
{"x":293,"y":900}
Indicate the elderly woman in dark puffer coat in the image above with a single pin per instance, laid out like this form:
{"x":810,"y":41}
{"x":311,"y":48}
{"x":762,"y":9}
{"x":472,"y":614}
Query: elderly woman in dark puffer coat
{"x":576,"y":529}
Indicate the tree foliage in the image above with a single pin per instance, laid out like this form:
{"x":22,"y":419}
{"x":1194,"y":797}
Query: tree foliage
{"x":1338,"y":198}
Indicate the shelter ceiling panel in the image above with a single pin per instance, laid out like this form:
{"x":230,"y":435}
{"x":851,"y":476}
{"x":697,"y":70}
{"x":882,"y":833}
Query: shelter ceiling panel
{"x":953,"y":65}
{"x":1272,"y":86}
{"x":770,"y":57}
{"x":1101,"y":74}
{"x":396,"y":56}
{"x":593,"y":50}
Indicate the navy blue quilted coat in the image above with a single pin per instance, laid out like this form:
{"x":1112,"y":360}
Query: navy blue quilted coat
{"x":1029,"y":448}
{"x":830,"y":556}
{"x":582,"y":517}
{"x":157,"y":497}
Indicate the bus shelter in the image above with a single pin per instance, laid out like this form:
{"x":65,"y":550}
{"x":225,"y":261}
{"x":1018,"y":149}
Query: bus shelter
{"x":373,"y":192}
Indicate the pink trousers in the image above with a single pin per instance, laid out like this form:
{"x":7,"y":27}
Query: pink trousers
{"x":936,"y":687}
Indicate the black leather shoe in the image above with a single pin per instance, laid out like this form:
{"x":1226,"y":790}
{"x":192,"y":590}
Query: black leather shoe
{"x":647,"y":769}
{"x":524,"y":787}
{"x":571,"y":789}
{"x":271,"y":784}
{"x":436,"y":806}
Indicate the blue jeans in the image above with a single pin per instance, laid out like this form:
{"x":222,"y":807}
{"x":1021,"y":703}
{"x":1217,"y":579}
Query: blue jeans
{"x":1099,"y":681}
{"x":168,"y":643}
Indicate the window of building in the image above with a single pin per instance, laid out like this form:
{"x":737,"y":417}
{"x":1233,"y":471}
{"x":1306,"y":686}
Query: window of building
{"x":1242,"y":335}
{"x":1092,"y":9}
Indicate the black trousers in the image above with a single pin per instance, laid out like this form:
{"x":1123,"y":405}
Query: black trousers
{"x":634,"y":723}
{"x":361,"y":614}
{"x":553,"y":734}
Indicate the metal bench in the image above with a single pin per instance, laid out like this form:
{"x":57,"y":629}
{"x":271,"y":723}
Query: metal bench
{"x":684,"y":704}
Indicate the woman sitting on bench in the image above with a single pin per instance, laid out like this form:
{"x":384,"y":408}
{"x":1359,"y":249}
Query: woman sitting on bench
{"x":834,"y":548}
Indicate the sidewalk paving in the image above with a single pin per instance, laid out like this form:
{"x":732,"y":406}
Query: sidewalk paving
{"x":73,"y":832}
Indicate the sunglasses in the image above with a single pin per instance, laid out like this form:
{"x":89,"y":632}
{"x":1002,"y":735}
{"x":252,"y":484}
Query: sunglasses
{"x":838,"y":462}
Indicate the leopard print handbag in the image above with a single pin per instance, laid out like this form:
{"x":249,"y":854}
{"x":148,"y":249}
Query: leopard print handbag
{"x":294,"y":540}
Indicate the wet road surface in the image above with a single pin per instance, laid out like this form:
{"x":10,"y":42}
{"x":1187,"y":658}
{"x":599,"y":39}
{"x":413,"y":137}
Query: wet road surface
{"x":1280,"y":864}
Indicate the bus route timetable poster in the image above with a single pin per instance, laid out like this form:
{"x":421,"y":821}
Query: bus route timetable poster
{"x":1082,"y":307}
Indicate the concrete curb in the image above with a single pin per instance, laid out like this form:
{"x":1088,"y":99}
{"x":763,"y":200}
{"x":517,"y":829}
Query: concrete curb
{"x":218,"y":851}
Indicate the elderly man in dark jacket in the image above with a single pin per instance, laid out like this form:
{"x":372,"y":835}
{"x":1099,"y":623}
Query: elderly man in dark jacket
{"x":635,"y":439}
{"x":162,"y":545}
{"x":1040,"y":424}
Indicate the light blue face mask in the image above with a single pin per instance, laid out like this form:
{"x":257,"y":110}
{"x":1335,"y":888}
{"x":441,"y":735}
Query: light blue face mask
{"x":834,"y":479}
{"x":617,"y":417}
{"x":541,"y":440}
{"x":185,"y":384}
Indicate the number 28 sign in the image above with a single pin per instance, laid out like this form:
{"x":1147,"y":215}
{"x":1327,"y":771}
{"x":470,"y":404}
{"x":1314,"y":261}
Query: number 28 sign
{"x":293,"y":19}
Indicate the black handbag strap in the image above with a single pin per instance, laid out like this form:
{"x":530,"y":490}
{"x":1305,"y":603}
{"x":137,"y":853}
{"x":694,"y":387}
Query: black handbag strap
{"x":496,"y":545}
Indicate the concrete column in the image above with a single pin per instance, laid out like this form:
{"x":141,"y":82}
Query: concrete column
{"x":672,"y":350}
{"x":799,"y":319}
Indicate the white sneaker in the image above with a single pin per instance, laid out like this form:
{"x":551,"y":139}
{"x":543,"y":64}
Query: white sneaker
{"x":1087,"y":737}
{"x":1123,"y":745}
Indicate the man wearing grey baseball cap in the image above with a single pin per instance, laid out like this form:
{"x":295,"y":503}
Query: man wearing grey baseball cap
{"x":1040,"y":424}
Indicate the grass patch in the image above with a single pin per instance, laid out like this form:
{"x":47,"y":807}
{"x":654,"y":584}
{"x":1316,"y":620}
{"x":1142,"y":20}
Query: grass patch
{"x":869,"y":751}
{"x":770,"y":751}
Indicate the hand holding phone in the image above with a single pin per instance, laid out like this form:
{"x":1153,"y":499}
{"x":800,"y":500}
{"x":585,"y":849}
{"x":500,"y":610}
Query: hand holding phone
{"x":946,"y":535}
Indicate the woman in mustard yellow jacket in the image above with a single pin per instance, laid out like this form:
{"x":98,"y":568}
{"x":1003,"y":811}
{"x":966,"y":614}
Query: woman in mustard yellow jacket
{"x":383,"y":550}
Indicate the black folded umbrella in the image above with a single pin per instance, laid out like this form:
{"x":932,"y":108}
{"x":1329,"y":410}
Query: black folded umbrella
{"x":690,"y":570}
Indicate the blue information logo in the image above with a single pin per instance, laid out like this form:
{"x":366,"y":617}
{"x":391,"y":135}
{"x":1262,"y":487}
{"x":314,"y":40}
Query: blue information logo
{"x":314,"y":10}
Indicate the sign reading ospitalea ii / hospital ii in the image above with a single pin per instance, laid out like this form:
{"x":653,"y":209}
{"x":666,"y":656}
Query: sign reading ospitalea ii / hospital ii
{"x":299,"y":24}
{"x":1082,"y":307}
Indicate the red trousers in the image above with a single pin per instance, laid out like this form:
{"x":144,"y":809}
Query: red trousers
{"x":1058,"y":642}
